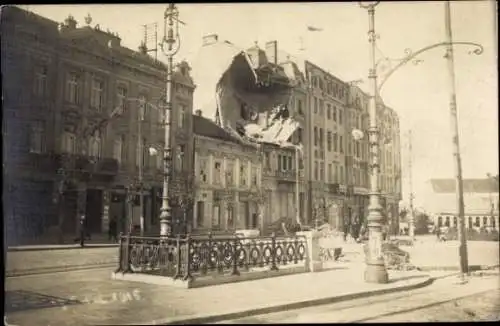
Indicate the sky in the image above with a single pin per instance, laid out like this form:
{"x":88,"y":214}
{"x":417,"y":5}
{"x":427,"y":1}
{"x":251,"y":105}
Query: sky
{"x":419,"y":93}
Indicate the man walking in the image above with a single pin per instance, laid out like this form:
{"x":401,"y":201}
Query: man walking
{"x":112,"y":229}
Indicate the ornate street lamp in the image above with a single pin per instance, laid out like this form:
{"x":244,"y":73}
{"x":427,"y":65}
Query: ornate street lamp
{"x":375,"y":267}
{"x":170,"y":46}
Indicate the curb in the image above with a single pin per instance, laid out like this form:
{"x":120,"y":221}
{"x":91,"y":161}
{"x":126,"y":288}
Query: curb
{"x":57,"y":269}
{"x":62,"y":247}
{"x":289,"y":306}
{"x":472,"y":268}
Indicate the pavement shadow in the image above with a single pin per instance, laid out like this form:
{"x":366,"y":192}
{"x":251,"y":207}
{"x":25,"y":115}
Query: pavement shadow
{"x":21,"y":300}
{"x":404,"y":278}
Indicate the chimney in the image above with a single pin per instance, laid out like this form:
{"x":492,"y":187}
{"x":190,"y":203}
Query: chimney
{"x":210,"y":39}
{"x":272,"y":51}
{"x":198,"y":113}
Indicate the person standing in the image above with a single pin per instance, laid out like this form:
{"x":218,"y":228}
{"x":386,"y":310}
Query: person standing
{"x":82,"y":230}
{"x":112,"y":229}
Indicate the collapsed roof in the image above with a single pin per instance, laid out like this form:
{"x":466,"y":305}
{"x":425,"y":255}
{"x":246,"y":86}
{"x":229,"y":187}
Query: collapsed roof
{"x":243,"y":93}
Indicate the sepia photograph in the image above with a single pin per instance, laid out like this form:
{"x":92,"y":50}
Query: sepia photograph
{"x":250,"y":163}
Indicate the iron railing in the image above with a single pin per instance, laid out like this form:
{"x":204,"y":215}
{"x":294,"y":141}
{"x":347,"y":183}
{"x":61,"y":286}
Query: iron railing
{"x":190,"y":257}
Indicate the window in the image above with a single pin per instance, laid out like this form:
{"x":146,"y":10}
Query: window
{"x":335,"y":173}
{"x":316,"y":170}
{"x":299,"y":107}
{"x":315,"y":136}
{"x":322,"y":170}
{"x":202,"y":170}
{"x":290,"y":167}
{"x":329,"y":141}
{"x":180,"y":157}
{"x":328,"y":111}
{"x":335,"y":113}
{"x":330,"y":172}
{"x":118,"y":149}
{"x":279,"y":163}
{"x":182,"y":116}
{"x":97,"y":94}
{"x":254,"y":176}
{"x":68,"y":142}
{"x":341,"y":174}
{"x":229,"y":174}
{"x":243,"y":174}
{"x":315,"y":105}
{"x":121,"y":98}
{"x":230,"y":216}
{"x":217,"y":172}
{"x":95,"y":145}
{"x":40,"y":85}
{"x":37,"y":137}
{"x":321,"y":107}
{"x":321,"y":137}
{"x":341,"y":144}
{"x":335,"y":142}
{"x":142,"y":107}
{"x":340,"y":117}
{"x":267,"y":160}
{"x":216,"y":216}
{"x":73,"y":88}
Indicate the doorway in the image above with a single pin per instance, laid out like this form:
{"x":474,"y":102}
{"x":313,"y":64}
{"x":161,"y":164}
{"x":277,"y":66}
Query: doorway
{"x":93,"y":211}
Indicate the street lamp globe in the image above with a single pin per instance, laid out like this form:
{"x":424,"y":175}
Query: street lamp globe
{"x":357,"y":134}
{"x":368,"y":4}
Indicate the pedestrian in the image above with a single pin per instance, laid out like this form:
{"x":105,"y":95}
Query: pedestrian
{"x":438,"y":233}
{"x":346,"y":229}
{"x":82,"y":230}
{"x":112,"y":229}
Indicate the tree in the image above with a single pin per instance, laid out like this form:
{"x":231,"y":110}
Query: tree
{"x":422,"y":221}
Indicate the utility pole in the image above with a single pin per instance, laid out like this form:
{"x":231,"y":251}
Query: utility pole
{"x":170,"y":46}
{"x":140,"y":146}
{"x":464,"y":265}
{"x":375,"y":266}
{"x":411,"y":220}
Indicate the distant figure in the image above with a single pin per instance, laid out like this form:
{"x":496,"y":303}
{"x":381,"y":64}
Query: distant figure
{"x":82,"y":230}
{"x":112,"y":229}
{"x":346,"y":229}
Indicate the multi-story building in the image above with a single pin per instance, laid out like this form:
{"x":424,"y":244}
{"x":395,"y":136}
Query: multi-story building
{"x":390,"y":182}
{"x":357,"y":158}
{"x":228,"y":180}
{"x":480,"y":198}
{"x":326,"y":122}
{"x":63,"y":82}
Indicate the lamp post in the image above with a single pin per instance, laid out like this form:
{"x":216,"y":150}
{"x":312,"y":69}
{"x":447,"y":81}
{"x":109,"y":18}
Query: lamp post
{"x":375,"y":268}
{"x":170,"y":46}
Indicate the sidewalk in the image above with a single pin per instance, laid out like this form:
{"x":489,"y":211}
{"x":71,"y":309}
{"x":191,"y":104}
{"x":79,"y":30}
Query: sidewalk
{"x":92,"y":298}
{"x":28,"y":262}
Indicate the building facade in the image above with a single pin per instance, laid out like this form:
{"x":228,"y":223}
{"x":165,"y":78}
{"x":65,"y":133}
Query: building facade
{"x":480,"y":198}
{"x":228,"y":191}
{"x":72,"y":110}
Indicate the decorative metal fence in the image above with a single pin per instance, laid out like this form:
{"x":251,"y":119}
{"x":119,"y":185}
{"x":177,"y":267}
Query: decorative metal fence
{"x":192,"y":257}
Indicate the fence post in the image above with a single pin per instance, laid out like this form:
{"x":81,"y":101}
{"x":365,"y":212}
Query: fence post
{"x":273,"y":252}
{"x":295,"y":251}
{"x":187,"y":275}
{"x":236,"y":256}
{"x":127,"y":254}
{"x":178,"y":258}
{"x":120,"y":253}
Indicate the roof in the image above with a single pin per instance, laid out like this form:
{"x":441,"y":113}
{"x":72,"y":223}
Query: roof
{"x":470,"y":185}
{"x":207,"y":128}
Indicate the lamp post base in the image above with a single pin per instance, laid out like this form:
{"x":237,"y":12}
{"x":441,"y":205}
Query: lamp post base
{"x":376,"y":273}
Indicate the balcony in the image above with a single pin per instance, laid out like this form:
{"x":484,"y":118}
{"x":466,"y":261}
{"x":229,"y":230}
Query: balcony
{"x":288,"y":175}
